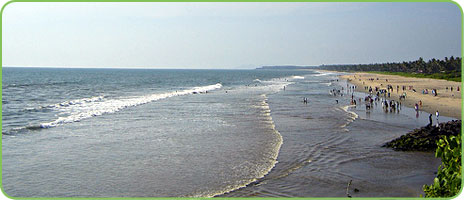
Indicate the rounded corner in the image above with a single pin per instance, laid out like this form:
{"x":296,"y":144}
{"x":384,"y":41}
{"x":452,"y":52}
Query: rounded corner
{"x":457,"y":5}
{"x":4,"y":6}
{"x":4,"y":192}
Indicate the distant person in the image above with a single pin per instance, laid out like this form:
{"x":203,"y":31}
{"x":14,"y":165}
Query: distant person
{"x":336,"y":100}
{"x":430,"y":120}
{"x":438,"y":115}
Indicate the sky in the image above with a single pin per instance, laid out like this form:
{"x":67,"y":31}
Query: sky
{"x":224,"y":35}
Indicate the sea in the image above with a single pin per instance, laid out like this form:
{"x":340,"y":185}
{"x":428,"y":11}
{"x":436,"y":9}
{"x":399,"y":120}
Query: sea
{"x":70,"y":132}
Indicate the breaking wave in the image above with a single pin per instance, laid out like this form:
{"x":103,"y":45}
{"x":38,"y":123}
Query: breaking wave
{"x":77,"y":110}
{"x":320,"y":73}
{"x":298,"y":77}
{"x":352,"y":115}
{"x":265,"y":171}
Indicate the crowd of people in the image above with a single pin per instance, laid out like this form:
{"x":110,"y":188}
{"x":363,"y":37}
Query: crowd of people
{"x":381,"y":95}
{"x":383,"y":92}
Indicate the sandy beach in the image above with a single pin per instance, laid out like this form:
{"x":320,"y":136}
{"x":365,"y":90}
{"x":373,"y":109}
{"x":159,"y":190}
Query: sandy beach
{"x":447,"y":102}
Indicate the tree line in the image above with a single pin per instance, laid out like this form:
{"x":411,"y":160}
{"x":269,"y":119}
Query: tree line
{"x":432,"y":66}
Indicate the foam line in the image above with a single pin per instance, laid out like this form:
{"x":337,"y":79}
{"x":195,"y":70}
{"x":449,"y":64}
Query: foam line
{"x":77,"y":110}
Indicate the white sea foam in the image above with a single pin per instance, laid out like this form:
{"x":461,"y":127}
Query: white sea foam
{"x":297,"y":77}
{"x":328,"y":84}
{"x":77,"y":110}
{"x":277,"y":84}
{"x":275,"y":153}
{"x":322,"y":73}
{"x":352,"y":115}
{"x":78,"y":101}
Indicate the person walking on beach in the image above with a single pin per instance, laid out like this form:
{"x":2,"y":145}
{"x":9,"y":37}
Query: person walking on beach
{"x":437,"y":114}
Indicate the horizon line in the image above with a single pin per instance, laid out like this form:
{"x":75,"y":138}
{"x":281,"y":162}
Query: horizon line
{"x":96,"y":67}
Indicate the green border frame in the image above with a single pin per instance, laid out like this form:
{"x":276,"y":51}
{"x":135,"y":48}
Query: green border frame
{"x":227,"y":198}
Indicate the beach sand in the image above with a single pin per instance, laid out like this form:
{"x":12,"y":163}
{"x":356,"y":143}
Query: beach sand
{"x":447,"y":102}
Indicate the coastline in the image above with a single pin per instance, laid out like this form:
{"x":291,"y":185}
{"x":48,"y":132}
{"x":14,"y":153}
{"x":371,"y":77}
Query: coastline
{"x":325,"y":147}
{"x":447,"y":102}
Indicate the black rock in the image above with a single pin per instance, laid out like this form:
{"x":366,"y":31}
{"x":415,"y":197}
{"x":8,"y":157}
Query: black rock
{"x":425,"y":138}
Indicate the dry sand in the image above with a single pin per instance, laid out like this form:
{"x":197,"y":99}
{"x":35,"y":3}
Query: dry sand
{"x":447,"y":102}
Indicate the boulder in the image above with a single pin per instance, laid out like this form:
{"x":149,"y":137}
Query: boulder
{"x":425,"y":138}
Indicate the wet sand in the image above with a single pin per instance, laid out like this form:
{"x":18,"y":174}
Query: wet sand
{"x":447,"y":102}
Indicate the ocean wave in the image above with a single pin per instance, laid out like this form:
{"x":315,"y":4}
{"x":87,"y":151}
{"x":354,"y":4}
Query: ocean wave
{"x":77,"y":110}
{"x":297,"y":77}
{"x":269,"y":86}
{"x":322,"y":73}
{"x":277,"y":84}
{"x":14,"y":85}
{"x":64,"y":104}
{"x":326,"y":83}
{"x":352,"y":115}
{"x":274,"y":154}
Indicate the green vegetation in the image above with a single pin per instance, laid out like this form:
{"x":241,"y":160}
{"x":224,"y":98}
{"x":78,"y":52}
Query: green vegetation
{"x":448,"y":69}
{"x":448,"y":180}
{"x":445,"y":139}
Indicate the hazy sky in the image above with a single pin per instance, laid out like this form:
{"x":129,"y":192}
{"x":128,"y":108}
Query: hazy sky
{"x":226,"y":35}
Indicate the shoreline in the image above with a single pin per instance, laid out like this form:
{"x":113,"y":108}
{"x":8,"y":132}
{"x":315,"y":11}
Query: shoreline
{"x":314,"y":140}
{"x":447,"y":102}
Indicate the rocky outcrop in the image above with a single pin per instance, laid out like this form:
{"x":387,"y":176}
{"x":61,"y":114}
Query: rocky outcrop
{"x":425,"y":138}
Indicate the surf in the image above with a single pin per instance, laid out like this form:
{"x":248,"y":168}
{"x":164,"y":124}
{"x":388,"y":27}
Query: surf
{"x":80,"y":109}
{"x":266,"y":112}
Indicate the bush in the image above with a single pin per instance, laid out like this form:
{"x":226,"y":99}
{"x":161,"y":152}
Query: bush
{"x":448,"y":180}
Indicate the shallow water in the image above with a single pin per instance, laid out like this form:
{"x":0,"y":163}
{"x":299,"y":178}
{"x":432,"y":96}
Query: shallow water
{"x":141,"y":133}
{"x":327,"y":145}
